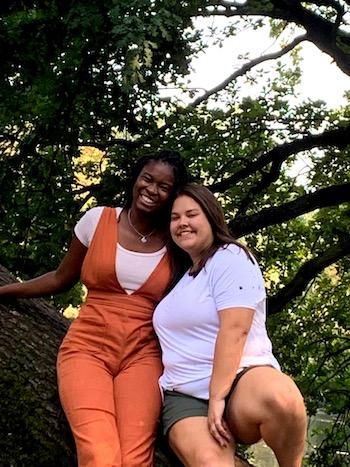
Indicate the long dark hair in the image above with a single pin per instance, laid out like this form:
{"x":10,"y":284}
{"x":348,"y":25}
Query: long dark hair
{"x":178,"y":259}
{"x":215,"y":215}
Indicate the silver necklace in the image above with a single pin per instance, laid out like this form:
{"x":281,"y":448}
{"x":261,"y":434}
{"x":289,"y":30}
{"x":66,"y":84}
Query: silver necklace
{"x":143,"y":238}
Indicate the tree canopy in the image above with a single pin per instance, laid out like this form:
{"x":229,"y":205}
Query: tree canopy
{"x":81,"y":99}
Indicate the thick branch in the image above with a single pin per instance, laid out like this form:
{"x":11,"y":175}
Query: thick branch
{"x":267,"y":178}
{"x":322,"y":32}
{"x":339,"y":137}
{"x":306,"y":273}
{"x":322,"y":198}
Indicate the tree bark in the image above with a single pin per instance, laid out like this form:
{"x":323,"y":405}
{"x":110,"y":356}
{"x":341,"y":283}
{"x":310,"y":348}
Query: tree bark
{"x":34,"y":430}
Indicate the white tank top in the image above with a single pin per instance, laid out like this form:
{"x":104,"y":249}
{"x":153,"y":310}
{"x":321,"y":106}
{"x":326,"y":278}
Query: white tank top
{"x":132,"y":268}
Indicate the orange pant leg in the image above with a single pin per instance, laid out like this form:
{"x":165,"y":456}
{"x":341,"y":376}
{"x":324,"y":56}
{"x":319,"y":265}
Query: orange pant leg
{"x":86,"y":393}
{"x":138,"y":404}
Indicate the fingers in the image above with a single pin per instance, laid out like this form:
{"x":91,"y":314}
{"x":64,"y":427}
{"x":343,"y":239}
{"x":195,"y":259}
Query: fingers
{"x":216,"y":423}
{"x":220,"y":432}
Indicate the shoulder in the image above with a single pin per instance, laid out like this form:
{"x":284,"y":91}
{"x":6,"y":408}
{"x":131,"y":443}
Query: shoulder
{"x":86,"y":226}
{"x":232,"y":260}
{"x":93,"y":213}
{"x":235,"y":277}
{"x":232,"y":254}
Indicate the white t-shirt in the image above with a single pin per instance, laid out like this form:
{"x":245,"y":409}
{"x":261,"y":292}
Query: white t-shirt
{"x":187,"y":320}
{"x":132,"y":267}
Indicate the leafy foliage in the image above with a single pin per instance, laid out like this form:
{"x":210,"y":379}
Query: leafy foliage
{"x":80,"y":102}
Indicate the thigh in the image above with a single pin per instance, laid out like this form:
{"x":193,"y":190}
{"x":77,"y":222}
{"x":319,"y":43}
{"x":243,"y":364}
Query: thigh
{"x":177,"y":406}
{"x":254,"y":400}
{"x":138,"y":403}
{"x":193,"y":444}
{"x":86,"y":393}
{"x":84,"y":381}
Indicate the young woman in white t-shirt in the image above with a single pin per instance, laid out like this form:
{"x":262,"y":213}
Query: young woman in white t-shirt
{"x":221,"y":382}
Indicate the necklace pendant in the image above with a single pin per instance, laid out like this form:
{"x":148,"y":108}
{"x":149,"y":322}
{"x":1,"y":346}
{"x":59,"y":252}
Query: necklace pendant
{"x":143,"y":238}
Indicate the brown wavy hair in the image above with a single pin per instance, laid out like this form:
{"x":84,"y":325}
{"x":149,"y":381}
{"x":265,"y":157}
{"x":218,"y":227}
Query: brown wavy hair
{"x":215,"y":216}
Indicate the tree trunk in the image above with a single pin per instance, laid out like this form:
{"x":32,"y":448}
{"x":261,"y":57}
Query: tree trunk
{"x":34,"y":430}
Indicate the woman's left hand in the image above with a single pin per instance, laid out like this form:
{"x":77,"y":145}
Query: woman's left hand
{"x":217,"y":426}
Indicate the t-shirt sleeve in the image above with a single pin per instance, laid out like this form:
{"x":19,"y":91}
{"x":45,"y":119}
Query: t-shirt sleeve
{"x":236,"y":281}
{"x":86,"y":226}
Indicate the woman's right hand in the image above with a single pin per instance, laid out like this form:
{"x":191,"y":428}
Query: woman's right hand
{"x":216,"y":423}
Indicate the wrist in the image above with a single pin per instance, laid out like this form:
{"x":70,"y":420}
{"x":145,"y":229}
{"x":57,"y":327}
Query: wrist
{"x":217,"y":395}
{"x":218,"y":391}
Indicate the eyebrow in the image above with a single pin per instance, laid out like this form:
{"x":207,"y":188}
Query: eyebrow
{"x":189,"y":211}
{"x":151,"y":176}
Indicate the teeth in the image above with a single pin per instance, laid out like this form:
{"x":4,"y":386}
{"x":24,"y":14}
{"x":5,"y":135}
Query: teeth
{"x":147,"y":200}
{"x":187,"y":232}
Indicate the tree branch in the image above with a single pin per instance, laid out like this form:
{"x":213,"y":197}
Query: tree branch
{"x":325,"y":34}
{"x":339,"y":137}
{"x":325,"y":197}
{"x":306,"y":273}
{"x":267,"y":178}
{"x":247,"y":67}
{"x":196,"y":102}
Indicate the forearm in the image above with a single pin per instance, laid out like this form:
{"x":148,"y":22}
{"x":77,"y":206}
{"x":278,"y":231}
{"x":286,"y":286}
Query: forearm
{"x":228,"y":352}
{"x":64,"y":277}
{"x":46,"y":284}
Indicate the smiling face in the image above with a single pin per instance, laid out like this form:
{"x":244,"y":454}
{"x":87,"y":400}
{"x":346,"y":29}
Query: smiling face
{"x":190,"y":228}
{"x":153,"y":187}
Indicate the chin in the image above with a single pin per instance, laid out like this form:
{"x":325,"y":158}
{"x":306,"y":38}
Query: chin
{"x":184,"y":246}
{"x":148,"y":208}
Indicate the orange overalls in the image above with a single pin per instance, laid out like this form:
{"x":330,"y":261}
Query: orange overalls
{"x":109,"y":362}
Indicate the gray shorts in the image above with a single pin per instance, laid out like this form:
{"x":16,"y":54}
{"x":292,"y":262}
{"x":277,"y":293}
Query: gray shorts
{"x":178,"y":406}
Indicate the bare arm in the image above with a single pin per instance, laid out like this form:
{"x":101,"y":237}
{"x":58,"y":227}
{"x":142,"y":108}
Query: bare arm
{"x":234,"y":327}
{"x":64,"y":277}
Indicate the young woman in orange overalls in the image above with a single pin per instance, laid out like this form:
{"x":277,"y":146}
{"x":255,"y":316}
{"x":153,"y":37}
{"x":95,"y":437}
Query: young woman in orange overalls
{"x":109,"y":362}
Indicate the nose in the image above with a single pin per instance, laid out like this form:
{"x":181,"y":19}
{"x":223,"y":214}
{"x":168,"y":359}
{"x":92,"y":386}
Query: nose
{"x":152,"y":188}
{"x":183,"y":221}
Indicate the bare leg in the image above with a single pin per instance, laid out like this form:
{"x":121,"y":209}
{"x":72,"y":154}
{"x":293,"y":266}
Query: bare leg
{"x":193,"y":444}
{"x":267,"y":404}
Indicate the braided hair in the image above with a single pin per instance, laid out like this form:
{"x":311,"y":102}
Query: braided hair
{"x":179,"y":259}
{"x":166,"y":156}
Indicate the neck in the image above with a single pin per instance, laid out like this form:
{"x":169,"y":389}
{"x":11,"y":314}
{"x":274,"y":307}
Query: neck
{"x":195,"y":261}
{"x":142,"y":221}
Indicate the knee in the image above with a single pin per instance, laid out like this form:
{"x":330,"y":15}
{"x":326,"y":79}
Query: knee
{"x":288,"y":406}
